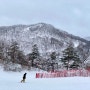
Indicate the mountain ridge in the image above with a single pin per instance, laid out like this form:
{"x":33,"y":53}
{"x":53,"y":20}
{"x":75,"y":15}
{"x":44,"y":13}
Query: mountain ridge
{"x":47,"y":37}
{"x":38,"y":24}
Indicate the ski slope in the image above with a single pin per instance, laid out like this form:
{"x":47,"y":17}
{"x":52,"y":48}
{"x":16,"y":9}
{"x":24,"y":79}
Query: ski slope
{"x":11,"y":81}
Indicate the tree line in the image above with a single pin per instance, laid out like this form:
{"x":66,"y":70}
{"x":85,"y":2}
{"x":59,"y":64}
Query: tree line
{"x":12,"y":53}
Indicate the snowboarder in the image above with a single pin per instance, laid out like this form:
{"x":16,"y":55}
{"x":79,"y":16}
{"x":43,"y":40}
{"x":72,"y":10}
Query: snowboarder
{"x":24,"y":77}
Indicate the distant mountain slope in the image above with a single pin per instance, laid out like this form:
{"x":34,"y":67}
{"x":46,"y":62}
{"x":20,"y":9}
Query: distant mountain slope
{"x":47,"y":37}
{"x":87,"y":38}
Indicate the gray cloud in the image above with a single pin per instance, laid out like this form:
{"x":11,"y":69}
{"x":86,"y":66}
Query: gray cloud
{"x":69,"y":15}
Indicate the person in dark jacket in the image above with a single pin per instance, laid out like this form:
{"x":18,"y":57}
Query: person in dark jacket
{"x":24,"y":77}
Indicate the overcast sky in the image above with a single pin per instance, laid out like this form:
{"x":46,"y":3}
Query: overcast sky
{"x":72,"y":16}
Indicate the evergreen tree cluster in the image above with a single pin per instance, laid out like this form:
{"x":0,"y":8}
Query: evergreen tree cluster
{"x":70,"y":58}
{"x":13,"y":54}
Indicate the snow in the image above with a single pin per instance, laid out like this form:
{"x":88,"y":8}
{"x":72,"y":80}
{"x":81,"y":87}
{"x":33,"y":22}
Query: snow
{"x":11,"y":81}
{"x":26,"y":29}
{"x":76,"y":43}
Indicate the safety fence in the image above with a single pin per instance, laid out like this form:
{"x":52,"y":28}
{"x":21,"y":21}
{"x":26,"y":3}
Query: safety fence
{"x":65,"y":73}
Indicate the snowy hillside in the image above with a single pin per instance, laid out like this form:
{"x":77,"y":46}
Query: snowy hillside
{"x":87,"y":38}
{"x":11,"y":81}
{"x":47,"y":37}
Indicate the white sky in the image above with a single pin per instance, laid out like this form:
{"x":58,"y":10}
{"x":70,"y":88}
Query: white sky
{"x":72,"y":16}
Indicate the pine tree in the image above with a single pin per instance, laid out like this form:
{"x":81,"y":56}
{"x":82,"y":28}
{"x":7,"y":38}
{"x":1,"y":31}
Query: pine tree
{"x":21,"y":58}
{"x":77,"y":62}
{"x":53,"y":60}
{"x":53,"y":56}
{"x":13,"y":51}
{"x":34,"y":55}
{"x":35,"y":51}
{"x":70,"y":58}
{"x":1,"y":51}
{"x":15,"y":54}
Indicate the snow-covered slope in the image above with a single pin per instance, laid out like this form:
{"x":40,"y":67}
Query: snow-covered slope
{"x":47,"y":37}
{"x":87,"y":38}
{"x":11,"y":81}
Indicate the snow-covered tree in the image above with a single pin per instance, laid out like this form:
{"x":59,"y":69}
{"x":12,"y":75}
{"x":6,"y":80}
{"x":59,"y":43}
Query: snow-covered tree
{"x":53,"y":59}
{"x":34,"y":55}
{"x":53,"y":56}
{"x":15,"y":54}
{"x":1,"y":51}
{"x":76,"y":62}
{"x":70,"y":58}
